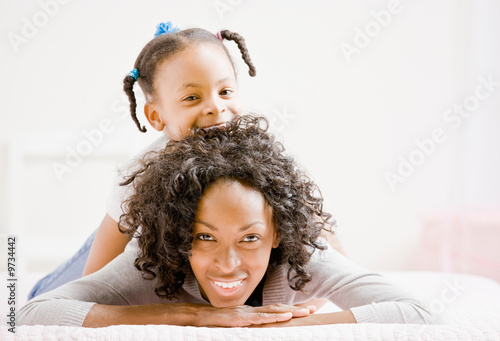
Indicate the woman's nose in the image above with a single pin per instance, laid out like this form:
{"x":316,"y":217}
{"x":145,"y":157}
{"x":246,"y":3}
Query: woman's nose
{"x":228,"y":260}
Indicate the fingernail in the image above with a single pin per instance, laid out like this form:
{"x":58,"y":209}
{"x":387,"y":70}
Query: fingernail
{"x":311,"y":307}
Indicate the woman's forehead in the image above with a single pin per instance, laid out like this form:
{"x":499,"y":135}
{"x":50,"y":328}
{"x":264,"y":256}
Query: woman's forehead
{"x":231,"y":200}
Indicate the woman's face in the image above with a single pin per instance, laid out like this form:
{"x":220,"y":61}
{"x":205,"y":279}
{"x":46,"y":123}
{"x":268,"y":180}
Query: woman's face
{"x":233,"y":236}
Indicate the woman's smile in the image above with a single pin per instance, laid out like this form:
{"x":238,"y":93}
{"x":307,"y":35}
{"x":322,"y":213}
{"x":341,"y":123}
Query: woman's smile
{"x":228,"y":288}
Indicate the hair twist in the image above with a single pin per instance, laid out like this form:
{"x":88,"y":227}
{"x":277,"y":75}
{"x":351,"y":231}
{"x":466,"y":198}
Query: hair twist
{"x":240,"y":41}
{"x":128,"y":87}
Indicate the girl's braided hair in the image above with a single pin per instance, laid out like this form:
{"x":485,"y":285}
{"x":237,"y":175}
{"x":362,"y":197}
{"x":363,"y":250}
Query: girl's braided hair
{"x":166,"y":45}
{"x":169,"y":183}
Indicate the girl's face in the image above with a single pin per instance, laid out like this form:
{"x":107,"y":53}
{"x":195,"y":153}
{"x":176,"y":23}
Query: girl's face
{"x":194,"y":88}
{"x":233,"y":236}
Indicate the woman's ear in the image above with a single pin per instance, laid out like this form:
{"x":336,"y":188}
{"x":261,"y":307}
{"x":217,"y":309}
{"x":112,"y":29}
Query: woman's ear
{"x":276,"y":241}
{"x":153,"y":116}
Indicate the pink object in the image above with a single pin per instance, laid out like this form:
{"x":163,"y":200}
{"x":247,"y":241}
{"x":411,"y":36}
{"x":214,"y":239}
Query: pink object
{"x":465,"y":240}
{"x":219,"y":36}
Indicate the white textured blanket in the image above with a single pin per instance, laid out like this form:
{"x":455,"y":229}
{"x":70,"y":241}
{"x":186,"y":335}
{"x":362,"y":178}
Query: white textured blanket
{"x":479,"y":331}
{"x":469,"y":306}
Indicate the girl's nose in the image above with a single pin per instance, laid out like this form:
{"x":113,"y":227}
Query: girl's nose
{"x":228,"y":260}
{"x":214,"y":106}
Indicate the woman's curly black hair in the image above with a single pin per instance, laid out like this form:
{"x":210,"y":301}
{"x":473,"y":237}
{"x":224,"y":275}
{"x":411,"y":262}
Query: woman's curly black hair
{"x":169,"y":184}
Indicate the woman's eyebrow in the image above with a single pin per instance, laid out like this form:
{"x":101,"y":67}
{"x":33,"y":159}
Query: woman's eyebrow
{"x":213,"y":228}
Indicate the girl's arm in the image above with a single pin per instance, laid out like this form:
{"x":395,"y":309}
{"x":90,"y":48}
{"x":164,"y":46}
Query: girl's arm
{"x":108,"y":243}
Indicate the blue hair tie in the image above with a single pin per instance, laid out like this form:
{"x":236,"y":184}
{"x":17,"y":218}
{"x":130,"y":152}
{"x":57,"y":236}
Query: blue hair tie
{"x":134,"y":73}
{"x":167,"y":27}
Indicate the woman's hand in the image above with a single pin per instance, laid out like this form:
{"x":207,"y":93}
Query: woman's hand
{"x":243,"y":316}
{"x":189,"y":314}
{"x":345,"y":316}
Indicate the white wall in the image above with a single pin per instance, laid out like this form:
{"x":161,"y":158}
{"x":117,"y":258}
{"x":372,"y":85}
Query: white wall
{"x":346,"y":122}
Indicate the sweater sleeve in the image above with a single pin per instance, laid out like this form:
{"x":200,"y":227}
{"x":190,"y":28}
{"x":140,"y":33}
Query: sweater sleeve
{"x":118,"y":283}
{"x":370,"y":296}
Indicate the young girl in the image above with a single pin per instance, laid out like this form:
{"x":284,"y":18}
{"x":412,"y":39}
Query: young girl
{"x":189,"y":81}
{"x":224,"y":217}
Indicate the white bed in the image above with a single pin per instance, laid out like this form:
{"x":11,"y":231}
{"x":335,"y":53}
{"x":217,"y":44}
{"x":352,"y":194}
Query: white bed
{"x":469,"y":306}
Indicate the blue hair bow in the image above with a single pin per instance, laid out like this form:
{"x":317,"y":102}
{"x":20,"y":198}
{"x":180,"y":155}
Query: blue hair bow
{"x":134,"y":73}
{"x":167,"y":27}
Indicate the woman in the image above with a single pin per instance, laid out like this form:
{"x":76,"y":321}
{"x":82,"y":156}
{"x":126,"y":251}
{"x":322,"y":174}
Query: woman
{"x":227,"y":233}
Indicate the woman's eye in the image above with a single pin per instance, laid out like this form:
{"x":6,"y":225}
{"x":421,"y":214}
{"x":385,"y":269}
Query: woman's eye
{"x":251,"y":238}
{"x":205,"y":237}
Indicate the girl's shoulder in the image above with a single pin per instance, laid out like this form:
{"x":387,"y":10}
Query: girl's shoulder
{"x":156,"y":145}
{"x":134,"y":162}
{"x":118,"y":194}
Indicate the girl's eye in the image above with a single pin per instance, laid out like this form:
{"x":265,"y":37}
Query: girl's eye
{"x":226,"y":92}
{"x":205,"y":237}
{"x":251,"y":238}
{"x":190,"y":98}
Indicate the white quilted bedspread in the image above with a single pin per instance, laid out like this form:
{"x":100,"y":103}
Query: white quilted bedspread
{"x":476,"y":330}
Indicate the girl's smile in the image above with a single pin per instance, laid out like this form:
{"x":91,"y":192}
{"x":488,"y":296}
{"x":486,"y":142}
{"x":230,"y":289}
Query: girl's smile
{"x":220,"y":125}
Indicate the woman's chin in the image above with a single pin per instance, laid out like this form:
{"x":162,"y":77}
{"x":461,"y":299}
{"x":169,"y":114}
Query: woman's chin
{"x":217,"y":303}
